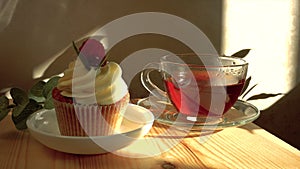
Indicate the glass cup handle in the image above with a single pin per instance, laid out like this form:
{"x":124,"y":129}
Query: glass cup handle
{"x":149,"y":85}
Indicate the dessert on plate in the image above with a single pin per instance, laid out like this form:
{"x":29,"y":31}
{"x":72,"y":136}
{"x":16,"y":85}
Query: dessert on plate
{"x":91,"y":97}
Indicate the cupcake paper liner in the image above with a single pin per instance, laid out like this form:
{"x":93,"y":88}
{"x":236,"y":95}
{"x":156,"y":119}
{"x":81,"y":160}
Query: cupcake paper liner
{"x":90,"y":120}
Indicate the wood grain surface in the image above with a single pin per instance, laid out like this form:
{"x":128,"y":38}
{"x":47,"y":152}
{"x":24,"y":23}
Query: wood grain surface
{"x":243,"y":147}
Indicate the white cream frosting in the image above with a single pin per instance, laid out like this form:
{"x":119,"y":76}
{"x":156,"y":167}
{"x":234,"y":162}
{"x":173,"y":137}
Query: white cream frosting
{"x":105,"y":84}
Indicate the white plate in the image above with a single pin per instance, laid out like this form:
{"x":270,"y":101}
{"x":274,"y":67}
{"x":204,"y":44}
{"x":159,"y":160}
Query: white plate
{"x":43,"y":127}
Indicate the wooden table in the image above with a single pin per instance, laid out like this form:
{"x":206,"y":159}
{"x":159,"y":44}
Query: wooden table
{"x":243,"y":147}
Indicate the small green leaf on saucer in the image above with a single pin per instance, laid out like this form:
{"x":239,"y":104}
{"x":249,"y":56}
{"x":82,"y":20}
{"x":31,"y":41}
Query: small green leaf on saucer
{"x":20,"y":120}
{"x":50,"y":85}
{"x":37,"y":89}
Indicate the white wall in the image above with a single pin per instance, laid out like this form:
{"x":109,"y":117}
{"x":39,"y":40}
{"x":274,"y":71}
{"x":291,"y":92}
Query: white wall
{"x":270,"y":28}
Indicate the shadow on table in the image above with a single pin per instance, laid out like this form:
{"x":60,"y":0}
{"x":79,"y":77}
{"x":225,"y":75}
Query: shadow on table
{"x":282,"y":118}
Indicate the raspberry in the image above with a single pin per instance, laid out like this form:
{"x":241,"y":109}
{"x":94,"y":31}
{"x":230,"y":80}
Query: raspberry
{"x":57,"y":96}
{"x":92,"y":53}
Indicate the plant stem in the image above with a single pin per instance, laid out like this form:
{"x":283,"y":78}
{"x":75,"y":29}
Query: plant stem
{"x":75,"y":47}
{"x":11,"y":106}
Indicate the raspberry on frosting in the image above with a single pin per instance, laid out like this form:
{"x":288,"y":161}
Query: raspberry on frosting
{"x":56,"y":95}
{"x":92,"y":53}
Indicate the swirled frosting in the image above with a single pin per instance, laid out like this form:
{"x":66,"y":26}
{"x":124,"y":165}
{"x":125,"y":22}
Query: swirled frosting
{"x":104,"y":85}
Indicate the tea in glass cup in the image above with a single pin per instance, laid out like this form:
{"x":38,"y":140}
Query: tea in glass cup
{"x":198,"y":86}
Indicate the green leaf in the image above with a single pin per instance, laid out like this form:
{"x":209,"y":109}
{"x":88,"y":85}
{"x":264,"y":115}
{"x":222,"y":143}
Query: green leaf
{"x":241,"y":53}
{"x":20,"y":120}
{"x":18,"y":110}
{"x":249,"y":90}
{"x":4,"y":102}
{"x":246,"y":85}
{"x":4,"y":110}
{"x":19,"y":96}
{"x":38,"y":99}
{"x":49,"y":102}
{"x":50,"y":85}
{"x":37,"y":89}
{"x":31,"y":107}
{"x":263,"y":96}
{"x":21,"y":125}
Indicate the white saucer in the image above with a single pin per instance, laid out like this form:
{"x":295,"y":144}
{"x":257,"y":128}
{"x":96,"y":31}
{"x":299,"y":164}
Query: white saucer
{"x":43,"y":127}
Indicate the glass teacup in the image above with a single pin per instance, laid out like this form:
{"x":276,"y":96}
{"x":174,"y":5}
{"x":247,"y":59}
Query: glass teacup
{"x":200,"y":87}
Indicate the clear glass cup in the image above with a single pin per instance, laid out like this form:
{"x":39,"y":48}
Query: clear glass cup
{"x":202,"y":88}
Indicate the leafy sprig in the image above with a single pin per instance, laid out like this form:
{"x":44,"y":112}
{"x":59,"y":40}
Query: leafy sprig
{"x":25,"y":103}
{"x":245,"y":91}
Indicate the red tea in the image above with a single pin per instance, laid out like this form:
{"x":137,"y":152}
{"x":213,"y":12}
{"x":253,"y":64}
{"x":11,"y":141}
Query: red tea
{"x":195,"y":99}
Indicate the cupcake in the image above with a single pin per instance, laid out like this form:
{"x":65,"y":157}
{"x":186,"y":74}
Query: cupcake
{"x":91,"y":97}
